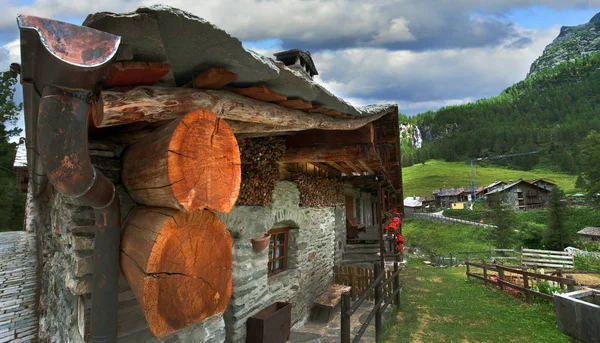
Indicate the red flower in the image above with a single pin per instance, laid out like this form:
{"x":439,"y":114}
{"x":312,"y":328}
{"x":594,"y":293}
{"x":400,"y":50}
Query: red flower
{"x":400,"y":239}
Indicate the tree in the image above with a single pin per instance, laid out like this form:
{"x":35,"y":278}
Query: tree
{"x":12,"y":202}
{"x":502,"y":234}
{"x":580,"y":183}
{"x":590,"y":161}
{"x":557,"y":235}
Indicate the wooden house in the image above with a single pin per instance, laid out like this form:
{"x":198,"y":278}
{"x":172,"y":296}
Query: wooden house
{"x":181,"y":183}
{"x":521,"y":195}
{"x":589,"y":234}
{"x":445,"y":197}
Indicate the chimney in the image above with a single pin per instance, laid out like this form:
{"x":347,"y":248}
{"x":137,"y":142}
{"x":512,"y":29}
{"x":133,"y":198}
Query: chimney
{"x":298,"y":60}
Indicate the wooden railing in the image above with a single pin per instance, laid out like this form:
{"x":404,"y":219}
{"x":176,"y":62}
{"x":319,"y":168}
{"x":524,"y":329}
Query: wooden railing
{"x":547,"y":258}
{"x":382,"y":301}
{"x":528,"y":278}
{"x":359,"y":278}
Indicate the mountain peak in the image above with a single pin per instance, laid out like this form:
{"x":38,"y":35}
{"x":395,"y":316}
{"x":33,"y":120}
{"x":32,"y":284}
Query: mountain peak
{"x":572,"y":42}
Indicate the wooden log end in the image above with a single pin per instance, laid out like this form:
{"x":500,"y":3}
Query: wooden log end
{"x":135,"y":73}
{"x":214,"y":78}
{"x":179,"y":266}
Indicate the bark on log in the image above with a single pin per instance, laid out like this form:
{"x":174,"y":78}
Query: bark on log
{"x":191,"y":163}
{"x":147,"y":103}
{"x":178,"y":265}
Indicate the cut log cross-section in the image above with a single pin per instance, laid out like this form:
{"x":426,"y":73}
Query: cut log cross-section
{"x":191,"y":163}
{"x":178,"y":265}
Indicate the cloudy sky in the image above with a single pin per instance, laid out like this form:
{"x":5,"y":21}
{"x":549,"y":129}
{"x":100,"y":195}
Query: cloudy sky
{"x":421,"y":54}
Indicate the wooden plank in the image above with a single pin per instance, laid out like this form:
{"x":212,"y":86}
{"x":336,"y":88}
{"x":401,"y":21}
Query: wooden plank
{"x":318,"y":109}
{"x":549,"y":261}
{"x":297,"y":104}
{"x":366,"y":167}
{"x":353,"y":167}
{"x":545,"y":251}
{"x":533,"y":264}
{"x":339,"y":167}
{"x":214,"y":78}
{"x":135,"y":73}
{"x":548,"y":256}
{"x":332,"y":296}
{"x":536,"y":275}
{"x":260,"y":93}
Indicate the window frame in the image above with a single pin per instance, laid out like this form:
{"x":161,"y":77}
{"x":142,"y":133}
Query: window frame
{"x":272,"y":251}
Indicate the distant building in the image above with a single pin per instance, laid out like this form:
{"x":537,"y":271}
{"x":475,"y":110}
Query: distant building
{"x":490,"y":188}
{"x":589,"y":234}
{"x":20,"y":166}
{"x":544,"y":184}
{"x":521,"y":195}
{"x":413,"y":204}
{"x":445,"y":197}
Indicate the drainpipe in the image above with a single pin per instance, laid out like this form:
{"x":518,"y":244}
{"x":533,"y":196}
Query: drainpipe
{"x":62,"y":68}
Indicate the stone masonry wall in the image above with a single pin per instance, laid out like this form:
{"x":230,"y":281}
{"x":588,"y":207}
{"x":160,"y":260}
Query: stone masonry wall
{"x":65,"y":234}
{"x":312,"y":242}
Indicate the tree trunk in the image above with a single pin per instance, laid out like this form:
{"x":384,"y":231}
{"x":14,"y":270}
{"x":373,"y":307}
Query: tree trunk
{"x":153,"y":104}
{"x":178,"y":265}
{"x":191,"y":163}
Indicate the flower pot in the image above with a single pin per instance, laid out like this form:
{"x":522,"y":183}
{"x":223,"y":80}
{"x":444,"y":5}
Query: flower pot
{"x":270,"y":325}
{"x":260,"y":243}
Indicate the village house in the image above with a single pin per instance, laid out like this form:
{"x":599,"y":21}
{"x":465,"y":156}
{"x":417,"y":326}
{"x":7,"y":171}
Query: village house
{"x":413,"y":204}
{"x":445,"y":197}
{"x":544,"y":184}
{"x":521,"y":195}
{"x":179,"y":184}
{"x":490,"y":187}
{"x":589,"y":234}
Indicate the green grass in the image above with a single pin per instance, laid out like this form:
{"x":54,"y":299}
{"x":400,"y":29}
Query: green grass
{"x":441,"y":305}
{"x":444,"y":238}
{"x":421,"y":179}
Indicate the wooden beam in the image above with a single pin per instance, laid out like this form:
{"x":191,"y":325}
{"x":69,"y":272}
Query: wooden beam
{"x":318,"y":109}
{"x":135,"y":73}
{"x":260,"y":93}
{"x":340,"y":168}
{"x":153,"y":104}
{"x":296,"y":104}
{"x":367,"y":168}
{"x":325,"y":153}
{"x":362,"y":135}
{"x":213,"y":78}
{"x":353,"y":167}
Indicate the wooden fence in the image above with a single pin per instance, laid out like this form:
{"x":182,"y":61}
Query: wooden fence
{"x":383,"y":299}
{"x":456,"y":258}
{"x":498,"y":278}
{"x":359,"y":279}
{"x":547,"y":258}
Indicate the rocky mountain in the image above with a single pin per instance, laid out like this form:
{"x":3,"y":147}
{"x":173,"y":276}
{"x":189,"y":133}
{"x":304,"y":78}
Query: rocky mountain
{"x":573,"y":42}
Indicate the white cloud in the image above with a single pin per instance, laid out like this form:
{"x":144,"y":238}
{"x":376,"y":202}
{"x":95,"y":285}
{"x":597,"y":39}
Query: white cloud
{"x":12,"y":51}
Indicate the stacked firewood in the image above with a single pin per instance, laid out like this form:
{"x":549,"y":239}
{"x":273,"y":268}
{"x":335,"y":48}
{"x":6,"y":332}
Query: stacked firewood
{"x":260,"y":169}
{"x":319,"y":191}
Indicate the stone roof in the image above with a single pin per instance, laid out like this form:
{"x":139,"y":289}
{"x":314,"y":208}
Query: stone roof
{"x":192,"y":45}
{"x":448,"y":192}
{"x":590,"y":231}
{"x":512,"y":184}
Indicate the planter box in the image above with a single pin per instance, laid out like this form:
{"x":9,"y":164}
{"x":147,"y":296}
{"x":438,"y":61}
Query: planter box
{"x":270,"y":325}
{"x":578,"y":314}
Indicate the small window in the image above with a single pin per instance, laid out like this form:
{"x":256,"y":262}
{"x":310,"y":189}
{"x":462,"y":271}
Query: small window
{"x":278,"y":250}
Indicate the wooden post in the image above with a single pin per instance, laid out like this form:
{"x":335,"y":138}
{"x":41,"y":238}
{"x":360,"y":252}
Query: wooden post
{"x":345,"y":318}
{"x":353,"y":276}
{"x":450,"y":259}
{"x":397,"y":284}
{"x":378,"y":301}
{"x":485,"y":277}
{"x":501,"y":277}
{"x":526,"y":285}
{"x":571,"y":286}
{"x":468,"y":268}
{"x":560,"y":274}
{"x":380,"y":221}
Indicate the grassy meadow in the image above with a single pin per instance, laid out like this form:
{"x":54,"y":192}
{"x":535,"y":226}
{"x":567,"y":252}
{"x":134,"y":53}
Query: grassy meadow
{"x":421,"y":179}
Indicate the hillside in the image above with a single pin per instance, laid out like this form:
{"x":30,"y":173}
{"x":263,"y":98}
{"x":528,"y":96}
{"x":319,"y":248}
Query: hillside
{"x":551,"y":111}
{"x":421,"y":179}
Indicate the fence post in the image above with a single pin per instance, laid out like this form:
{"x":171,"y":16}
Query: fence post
{"x":353,"y":277}
{"x":450,"y":259}
{"x":571,"y":285}
{"x":378,"y":324}
{"x":526,"y":285}
{"x":468,"y":268}
{"x":485,"y":281}
{"x":345,"y":318}
{"x":397,"y":284}
{"x":501,"y":277}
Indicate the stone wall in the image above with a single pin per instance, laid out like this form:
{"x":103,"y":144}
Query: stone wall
{"x":313,"y":238}
{"x":65,"y":235}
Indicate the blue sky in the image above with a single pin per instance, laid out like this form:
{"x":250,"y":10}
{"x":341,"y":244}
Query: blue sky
{"x":420,"y":54}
